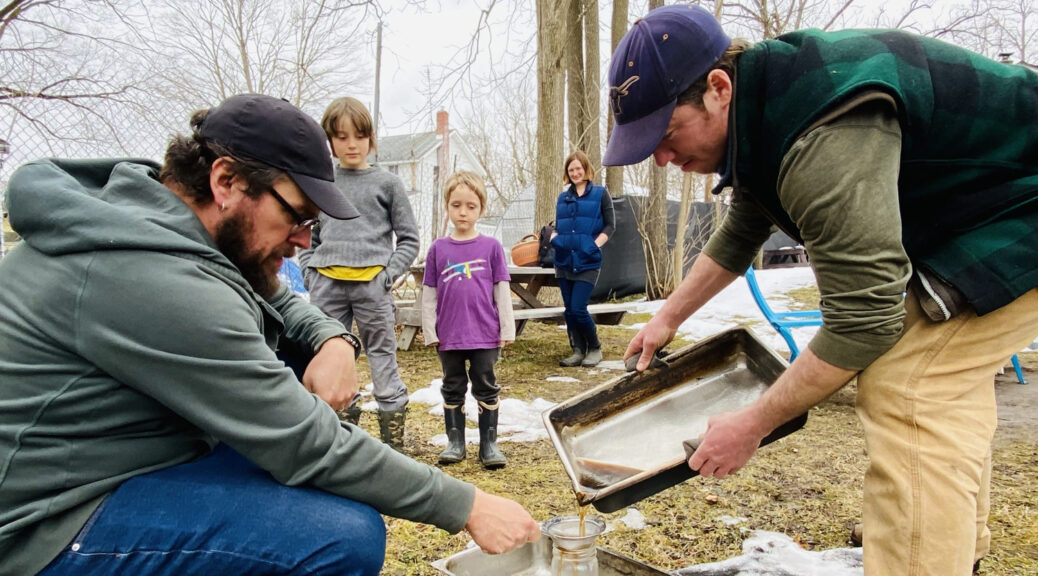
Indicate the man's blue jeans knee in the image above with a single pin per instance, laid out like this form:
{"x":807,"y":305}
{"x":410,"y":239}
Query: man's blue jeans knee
{"x":224,"y":515}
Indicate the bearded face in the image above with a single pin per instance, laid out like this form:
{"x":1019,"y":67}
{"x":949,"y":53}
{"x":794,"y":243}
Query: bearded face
{"x":233,"y":239}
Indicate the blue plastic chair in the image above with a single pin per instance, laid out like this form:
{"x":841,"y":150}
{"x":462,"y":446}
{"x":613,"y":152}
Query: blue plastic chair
{"x":783,"y":321}
{"x":1019,"y":371}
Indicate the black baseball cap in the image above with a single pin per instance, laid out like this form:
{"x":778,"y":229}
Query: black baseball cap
{"x":274,"y":132}
{"x":658,"y":59}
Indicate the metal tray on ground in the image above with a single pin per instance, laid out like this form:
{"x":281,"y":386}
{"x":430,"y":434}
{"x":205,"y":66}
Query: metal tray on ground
{"x":621,"y":441}
{"x":534,"y":560}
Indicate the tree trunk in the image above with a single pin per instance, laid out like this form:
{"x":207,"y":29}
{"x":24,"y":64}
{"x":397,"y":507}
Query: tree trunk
{"x":614,"y":178}
{"x":657,"y":261}
{"x":592,"y":73}
{"x":654,"y":241}
{"x":677,"y":264}
{"x":575,"y":90}
{"x":550,"y":18}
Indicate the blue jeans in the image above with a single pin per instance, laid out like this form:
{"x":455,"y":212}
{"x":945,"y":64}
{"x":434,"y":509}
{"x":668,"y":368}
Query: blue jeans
{"x":224,"y":515}
{"x":575,"y":297}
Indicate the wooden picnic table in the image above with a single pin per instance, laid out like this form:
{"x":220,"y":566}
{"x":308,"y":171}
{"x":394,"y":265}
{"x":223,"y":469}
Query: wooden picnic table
{"x":526,"y":284}
{"x":787,"y":257}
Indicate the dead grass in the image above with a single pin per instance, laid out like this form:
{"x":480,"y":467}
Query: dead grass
{"x":808,"y":485}
{"x":804,"y":298}
{"x":10,"y":236}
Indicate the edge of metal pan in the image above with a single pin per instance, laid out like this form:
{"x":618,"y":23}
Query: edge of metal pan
{"x":646,"y":483}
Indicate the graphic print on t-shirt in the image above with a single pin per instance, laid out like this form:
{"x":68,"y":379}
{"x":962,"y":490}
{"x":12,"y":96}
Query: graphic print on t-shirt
{"x":464,"y":274}
{"x":461,"y":270}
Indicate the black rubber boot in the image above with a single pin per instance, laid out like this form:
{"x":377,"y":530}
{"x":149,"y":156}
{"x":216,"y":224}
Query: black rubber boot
{"x":489,"y":455}
{"x":576,"y":341}
{"x":391,"y":427}
{"x":351,"y":415}
{"x":454,"y":418}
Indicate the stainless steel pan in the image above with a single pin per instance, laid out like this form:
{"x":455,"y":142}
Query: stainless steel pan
{"x":534,"y":560}
{"x":622,"y":441}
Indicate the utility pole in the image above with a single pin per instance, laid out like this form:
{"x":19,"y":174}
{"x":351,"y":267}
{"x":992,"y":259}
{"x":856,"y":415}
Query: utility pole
{"x":378,"y":75}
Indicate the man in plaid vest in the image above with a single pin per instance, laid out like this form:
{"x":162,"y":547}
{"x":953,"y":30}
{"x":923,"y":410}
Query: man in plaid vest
{"x":908,"y":168}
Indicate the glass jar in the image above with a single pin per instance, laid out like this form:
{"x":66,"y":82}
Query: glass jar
{"x":573,"y":551}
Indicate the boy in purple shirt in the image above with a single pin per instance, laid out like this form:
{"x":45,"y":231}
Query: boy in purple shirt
{"x":467,"y":314}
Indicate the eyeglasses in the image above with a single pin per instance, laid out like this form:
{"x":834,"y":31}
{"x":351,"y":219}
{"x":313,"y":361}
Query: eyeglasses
{"x":301,"y":222}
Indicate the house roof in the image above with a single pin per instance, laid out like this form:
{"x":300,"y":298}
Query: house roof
{"x":407,"y":147}
{"x":411,"y":148}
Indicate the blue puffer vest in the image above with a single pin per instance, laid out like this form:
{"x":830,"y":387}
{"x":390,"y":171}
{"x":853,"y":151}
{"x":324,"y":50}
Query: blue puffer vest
{"x":578,"y":221}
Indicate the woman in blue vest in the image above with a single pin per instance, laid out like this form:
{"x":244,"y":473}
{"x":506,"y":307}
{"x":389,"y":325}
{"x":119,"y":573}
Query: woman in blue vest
{"x":584,"y":222}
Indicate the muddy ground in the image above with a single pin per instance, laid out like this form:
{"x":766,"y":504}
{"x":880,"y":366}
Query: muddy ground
{"x":1017,"y":406}
{"x":807,"y":486}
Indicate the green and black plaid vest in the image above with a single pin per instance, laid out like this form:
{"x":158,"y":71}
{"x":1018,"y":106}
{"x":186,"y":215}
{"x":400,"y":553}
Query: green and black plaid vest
{"x":968,"y":185}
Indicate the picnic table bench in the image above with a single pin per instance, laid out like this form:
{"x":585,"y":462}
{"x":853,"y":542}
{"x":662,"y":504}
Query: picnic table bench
{"x":787,"y":257}
{"x":526,"y":283}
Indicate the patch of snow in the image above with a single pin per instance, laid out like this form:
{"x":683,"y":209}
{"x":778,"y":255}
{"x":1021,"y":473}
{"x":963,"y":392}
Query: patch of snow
{"x":518,"y":421}
{"x":633,"y":519}
{"x":430,"y":396}
{"x":734,"y":307}
{"x":609,"y":366}
{"x":371,"y":406}
{"x":561,"y":379}
{"x":773,"y":554}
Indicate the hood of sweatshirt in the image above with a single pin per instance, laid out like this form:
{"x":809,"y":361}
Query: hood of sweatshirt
{"x":68,"y":206}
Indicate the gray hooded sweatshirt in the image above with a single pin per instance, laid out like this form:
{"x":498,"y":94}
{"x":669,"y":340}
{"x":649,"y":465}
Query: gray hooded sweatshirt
{"x":129,"y":343}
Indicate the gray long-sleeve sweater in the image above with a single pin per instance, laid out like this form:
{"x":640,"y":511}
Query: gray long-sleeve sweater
{"x":367,"y":241}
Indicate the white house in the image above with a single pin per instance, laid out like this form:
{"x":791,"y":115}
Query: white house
{"x":423,"y":161}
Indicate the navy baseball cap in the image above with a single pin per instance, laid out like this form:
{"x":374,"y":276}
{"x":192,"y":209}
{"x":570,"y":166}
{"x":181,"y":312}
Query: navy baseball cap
{"x":274,"y":132}
{"x":657,"y":60}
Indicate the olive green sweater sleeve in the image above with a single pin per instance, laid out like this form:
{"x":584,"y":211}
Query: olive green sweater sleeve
{"x":739,"y":237}
{"x":839,"y":185}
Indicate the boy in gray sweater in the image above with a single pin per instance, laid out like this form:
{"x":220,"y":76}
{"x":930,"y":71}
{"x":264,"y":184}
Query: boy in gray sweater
{"x":351,"y":266}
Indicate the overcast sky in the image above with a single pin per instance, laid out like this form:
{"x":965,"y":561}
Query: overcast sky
{"x":414,"y":42}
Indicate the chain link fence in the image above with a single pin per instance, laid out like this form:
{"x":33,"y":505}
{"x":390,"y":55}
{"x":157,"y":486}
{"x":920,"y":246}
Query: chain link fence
{"x":101,"y":129}
{"x":110,"y":129}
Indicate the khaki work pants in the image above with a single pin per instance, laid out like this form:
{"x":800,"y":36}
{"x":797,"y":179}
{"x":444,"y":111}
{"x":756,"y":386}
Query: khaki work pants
{"x":929,"y":414}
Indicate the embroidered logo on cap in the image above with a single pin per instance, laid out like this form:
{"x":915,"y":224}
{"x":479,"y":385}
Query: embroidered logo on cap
{"x":618,"y":92}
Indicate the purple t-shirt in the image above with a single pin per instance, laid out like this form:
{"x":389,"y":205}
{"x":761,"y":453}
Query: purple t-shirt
{"x":464,"y":273}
